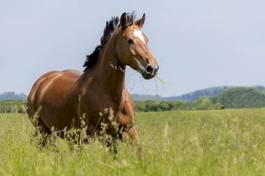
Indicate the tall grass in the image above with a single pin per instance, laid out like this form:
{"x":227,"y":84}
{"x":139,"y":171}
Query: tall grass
{"x":228,"y":142}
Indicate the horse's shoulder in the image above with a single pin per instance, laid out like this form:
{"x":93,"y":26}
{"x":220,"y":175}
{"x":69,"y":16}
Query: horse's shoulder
{"x":128,"y":103}
{"x":127,"y":95}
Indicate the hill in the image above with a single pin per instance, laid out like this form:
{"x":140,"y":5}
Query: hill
{"x":241,"y":97}
{"x":211,"y":98}
{"x":193,"y":96}
{"x":233,"y":97}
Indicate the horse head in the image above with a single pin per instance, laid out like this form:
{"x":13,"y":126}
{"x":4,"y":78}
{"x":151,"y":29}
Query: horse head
{"x":132,"y":47}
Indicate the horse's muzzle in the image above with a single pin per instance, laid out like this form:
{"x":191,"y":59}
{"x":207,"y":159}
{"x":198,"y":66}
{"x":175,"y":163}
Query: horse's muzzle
{"x":150,"y":71}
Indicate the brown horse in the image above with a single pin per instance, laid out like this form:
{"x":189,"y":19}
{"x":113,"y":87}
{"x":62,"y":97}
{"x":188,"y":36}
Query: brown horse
{"x":60,"y":98}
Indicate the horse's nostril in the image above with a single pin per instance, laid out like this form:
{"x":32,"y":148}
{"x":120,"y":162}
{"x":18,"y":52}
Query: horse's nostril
{"x":149,"y":69}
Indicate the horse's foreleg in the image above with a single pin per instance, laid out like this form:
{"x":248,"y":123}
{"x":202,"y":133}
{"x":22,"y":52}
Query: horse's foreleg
{"x":132,"y":135}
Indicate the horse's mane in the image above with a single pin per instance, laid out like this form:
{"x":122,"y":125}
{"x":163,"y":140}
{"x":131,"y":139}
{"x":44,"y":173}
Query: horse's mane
{"x":110,"y":27}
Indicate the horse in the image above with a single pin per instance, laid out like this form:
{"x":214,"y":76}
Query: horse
{"x":61,"y":98}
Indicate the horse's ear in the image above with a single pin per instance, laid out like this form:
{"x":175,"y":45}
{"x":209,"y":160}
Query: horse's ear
{"x":123,"y":20}
{"x":140,"y":22}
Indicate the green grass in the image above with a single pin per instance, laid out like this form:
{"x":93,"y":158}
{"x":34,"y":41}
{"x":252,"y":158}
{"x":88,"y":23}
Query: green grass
{"x":228,"y":142}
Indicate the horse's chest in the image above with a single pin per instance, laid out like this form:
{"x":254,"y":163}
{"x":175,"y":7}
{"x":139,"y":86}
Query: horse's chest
{"x":99,"y":105}
{"x":100,"y":115}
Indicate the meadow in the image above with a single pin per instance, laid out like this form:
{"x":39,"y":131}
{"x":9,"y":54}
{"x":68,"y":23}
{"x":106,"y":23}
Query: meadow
{"x":220,"y":142}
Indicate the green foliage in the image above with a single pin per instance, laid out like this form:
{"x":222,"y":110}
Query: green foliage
{"x":241,"y":98}
{"x":12,"y":106}
{"x":229,"y":142}
{"x":237,"y":97}
{"x":204,"y":103}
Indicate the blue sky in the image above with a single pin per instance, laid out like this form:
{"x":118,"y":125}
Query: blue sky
{"x":198,"y":44}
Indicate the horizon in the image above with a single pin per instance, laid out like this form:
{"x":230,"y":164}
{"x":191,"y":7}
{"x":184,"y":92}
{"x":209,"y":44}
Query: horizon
{"x":197,"y":46}
{"x":185,"y":93}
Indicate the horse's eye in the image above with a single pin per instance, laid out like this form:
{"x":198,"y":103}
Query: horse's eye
{"x":130,"y":41}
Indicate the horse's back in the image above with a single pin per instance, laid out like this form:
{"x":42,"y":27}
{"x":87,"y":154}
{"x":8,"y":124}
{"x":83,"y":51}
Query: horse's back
{"x":49,"y":95}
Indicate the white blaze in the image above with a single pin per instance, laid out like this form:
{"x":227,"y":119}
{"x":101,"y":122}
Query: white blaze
{"x":139,"y":34}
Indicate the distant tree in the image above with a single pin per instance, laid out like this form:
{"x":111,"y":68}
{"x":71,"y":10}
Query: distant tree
{"x":12,"y":106}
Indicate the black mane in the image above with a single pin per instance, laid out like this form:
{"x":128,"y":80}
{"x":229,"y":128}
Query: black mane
{"x":111,"y":25}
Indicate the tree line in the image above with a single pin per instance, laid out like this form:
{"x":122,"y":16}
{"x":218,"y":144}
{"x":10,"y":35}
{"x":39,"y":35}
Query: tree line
{"x":230,"y":98}
{"x":238,"y":97}
{"x":13,"y":106}
{"x":204,"y":103}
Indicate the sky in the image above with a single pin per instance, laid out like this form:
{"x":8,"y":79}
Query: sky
{"x":198,"y":44}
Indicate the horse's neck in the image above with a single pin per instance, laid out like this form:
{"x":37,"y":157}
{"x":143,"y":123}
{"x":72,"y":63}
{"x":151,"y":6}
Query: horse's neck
{"x":111,"y":77}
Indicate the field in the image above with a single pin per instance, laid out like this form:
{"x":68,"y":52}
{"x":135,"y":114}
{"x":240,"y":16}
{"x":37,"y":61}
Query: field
{"x":224,"y":142}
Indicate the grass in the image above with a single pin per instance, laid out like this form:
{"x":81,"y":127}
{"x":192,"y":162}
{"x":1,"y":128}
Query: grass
{"x":227,"y":142}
